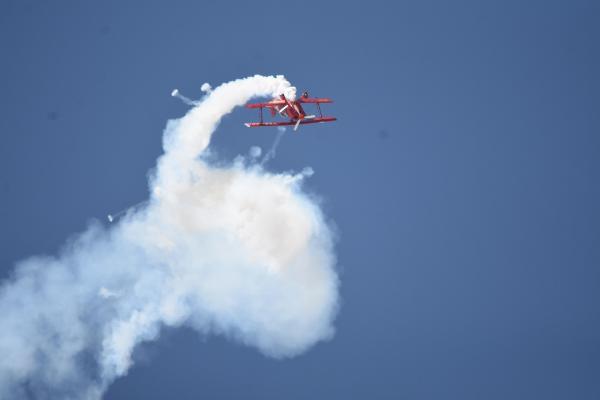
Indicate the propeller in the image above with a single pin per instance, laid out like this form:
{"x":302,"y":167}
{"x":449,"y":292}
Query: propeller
{"x":300,"y":120}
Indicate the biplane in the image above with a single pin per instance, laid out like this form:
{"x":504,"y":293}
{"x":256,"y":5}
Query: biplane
{"x":291,"y":109}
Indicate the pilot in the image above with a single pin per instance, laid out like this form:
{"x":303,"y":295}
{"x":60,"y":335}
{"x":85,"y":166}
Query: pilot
{"x":305,"y":94}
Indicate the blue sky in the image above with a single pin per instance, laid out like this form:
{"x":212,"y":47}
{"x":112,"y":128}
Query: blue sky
{"x":462,"y":177}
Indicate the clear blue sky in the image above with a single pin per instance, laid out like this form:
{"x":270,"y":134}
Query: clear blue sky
{"x":463,"y":176}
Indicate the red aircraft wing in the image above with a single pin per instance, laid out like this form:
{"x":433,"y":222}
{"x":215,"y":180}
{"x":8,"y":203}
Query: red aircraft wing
{"x":316,"y":100}
{"x":290,"y":123}
{"x":269,"y":104}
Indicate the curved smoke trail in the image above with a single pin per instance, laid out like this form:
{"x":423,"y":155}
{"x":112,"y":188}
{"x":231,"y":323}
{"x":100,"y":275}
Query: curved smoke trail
{"x":226,"y":250}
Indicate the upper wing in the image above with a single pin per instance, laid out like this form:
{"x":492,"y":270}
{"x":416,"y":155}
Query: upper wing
{"x":271,"y":103}
{"x":314,"y":100}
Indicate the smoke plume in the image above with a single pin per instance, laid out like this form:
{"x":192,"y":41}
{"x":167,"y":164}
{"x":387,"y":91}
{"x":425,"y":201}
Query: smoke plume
{"x":235,"y":250}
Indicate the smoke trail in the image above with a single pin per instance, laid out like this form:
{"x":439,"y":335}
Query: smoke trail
{"x":272,"y":151}
{"x":186,"y":100}
{"x":231,"y":250}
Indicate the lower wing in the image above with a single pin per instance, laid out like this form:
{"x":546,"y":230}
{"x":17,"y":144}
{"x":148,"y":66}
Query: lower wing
{"x":291,"y":123}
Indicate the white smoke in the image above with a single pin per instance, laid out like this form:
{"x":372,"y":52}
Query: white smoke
{"x":273,"y":150}
{"x":206,"y":88}
{"x":255,"y":152}
{"x":230,"y":250}
{"x":186,"y":100}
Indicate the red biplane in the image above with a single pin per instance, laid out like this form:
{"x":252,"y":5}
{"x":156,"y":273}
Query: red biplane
{"x":291,"y":109}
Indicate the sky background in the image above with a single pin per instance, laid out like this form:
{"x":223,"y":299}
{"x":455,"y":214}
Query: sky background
{"x":462,"y":177}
